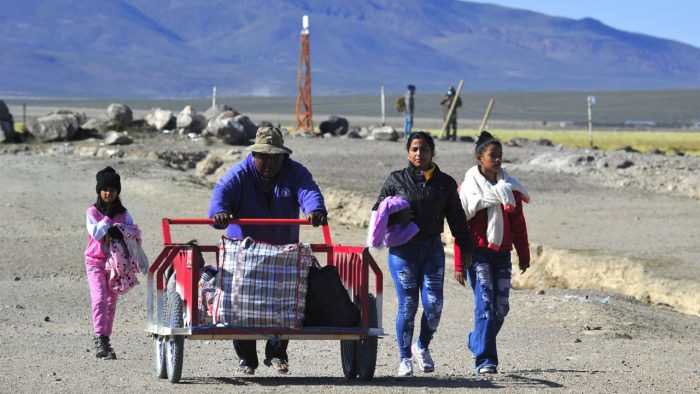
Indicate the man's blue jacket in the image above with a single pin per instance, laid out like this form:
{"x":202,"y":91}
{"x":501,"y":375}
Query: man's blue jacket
{"x":240,"y":193}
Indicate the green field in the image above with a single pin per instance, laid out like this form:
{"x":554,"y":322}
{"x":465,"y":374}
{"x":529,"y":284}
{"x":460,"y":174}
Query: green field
{"x":643,"y":141}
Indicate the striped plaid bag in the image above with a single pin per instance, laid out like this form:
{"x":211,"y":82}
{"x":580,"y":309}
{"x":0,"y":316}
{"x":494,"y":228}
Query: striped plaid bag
{"x":261,"y":284}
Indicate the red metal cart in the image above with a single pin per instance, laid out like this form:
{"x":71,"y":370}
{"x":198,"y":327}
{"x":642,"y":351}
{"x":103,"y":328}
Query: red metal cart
{"x":172,"y":306}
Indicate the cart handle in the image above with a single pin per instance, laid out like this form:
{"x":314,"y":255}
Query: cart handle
{"x":166,"y":222}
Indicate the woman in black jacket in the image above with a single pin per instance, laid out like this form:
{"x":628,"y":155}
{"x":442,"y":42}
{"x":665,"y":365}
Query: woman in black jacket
{"x":418,"y":266}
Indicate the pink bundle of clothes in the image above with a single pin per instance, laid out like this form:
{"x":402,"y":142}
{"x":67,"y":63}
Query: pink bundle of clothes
{"x":380,"y":233}
{"x":126,"y":259}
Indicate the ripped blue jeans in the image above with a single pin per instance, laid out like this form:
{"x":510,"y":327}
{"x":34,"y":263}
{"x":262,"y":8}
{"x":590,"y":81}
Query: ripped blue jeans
{"x":418,"y":269}
{"x":489,"y":276}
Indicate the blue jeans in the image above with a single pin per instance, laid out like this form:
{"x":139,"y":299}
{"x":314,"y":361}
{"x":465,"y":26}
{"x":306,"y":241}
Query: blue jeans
{"x":407,"y":125}
{"x":418,"y":268}
{"x":489,"y":276}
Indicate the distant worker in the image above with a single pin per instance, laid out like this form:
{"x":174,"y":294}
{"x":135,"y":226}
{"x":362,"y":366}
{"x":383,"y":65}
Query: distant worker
{"x":446,"y":102}
{"x":408,"y":110}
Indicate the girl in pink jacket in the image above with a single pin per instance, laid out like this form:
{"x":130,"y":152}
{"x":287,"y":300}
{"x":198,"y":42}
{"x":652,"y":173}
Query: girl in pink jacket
{"x":101,"y":218}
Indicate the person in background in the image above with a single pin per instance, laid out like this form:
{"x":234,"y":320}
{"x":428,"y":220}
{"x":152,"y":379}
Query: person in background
{"x":446,"y":102}
{"x":418,"y":266}
{"x":408,"y":111}
{"x":493,"y":202}
{"x":266,"y":184}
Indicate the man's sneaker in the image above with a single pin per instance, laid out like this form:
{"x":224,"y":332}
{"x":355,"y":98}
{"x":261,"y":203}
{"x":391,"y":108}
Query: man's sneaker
{"x":487,"y":370}
{"x":103,"y":349}
{"x":244,"y":368}
{"x":405,"y":368}
{"x":277,"y":364}
{"x":422,"y":357}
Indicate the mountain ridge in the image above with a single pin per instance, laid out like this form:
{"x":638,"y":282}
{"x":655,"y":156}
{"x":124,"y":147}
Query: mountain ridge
{"x":182,"y":48}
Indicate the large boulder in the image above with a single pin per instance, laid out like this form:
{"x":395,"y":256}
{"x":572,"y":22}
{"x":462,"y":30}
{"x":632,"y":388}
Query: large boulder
{"x":55,"y":127}
{"x":225,"y":128}
{"x":189,"y":121}
{"x":82,"y":118}
{"x":249,"y":128}
{"x":384,"y":133}
{"x":217,"y":110}
{"x":357,"y":132}
{"x":161,"y":119}
{"x":119,"y":115}
{"x":334,"y":125}
{"x":95,"y":125}
{"x":118,"y":138}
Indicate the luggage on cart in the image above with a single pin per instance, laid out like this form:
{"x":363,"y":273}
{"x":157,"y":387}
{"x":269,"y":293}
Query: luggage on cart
{"x":180,"y":306}
{"x":260,"y":284}
{"x":327,"y":301}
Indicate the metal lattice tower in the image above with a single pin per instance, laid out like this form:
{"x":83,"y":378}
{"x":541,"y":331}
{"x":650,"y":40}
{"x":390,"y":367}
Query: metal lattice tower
{"x":304,"y":116}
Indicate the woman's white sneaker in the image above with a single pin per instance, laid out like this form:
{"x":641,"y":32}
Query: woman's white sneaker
{"x":405,"y":368}
{"x":422,"y":357}
{"x":487,"y":370}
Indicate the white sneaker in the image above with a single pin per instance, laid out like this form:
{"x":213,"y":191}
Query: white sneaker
{"x":422,"y":357}
{"x":487,"y":370}
{"x":405,"y":368}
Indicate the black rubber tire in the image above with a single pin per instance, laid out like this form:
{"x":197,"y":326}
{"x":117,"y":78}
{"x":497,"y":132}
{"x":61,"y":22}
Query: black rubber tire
{"x":159,"y":356}
{"x":175,"y":344}
{"x":367,"y":346}
{"x":348,"y":357}
{"x":360,"y":357}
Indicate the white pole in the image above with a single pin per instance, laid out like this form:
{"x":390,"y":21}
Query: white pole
{"x":590,"y":123}
{"x":213,"y":96}
{"x":383,"y":108}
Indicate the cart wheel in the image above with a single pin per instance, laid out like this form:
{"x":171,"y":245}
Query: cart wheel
{"x":159,"y":356}
{"x":175,"y":344}
{"x":367,"y":346}
{"x":360,"y":357}
{"x":348,"y":357}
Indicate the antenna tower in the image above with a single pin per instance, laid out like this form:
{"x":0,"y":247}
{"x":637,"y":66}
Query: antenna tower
{"x":304,"y":121}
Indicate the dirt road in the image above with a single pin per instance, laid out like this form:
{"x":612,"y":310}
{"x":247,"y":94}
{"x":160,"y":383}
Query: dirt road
{"x":557,"y":339}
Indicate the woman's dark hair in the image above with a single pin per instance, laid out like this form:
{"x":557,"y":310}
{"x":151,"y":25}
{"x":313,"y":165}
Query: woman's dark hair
{"x":485,"y":139}
{"x":423,"y":136}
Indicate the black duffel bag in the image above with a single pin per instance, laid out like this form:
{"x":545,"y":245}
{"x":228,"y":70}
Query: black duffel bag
{"x":327,"y":301}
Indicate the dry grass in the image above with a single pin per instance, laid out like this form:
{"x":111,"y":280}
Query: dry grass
{"x":667,"y":141}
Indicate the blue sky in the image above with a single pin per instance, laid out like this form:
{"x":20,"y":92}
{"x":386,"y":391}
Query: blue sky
{"x":675,"y":19}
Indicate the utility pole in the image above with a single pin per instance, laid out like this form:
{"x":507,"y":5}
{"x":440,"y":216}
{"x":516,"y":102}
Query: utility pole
{"x":591,"y":101}
{"x":304,"y":116}
{"x":213,"y":97}
{"x":452,"y":109}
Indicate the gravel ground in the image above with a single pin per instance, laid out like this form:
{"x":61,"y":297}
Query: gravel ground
{"x":584,"y":223}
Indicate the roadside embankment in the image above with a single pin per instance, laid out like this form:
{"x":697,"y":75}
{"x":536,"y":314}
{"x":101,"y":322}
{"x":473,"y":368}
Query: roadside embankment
{"x":559,"y":269}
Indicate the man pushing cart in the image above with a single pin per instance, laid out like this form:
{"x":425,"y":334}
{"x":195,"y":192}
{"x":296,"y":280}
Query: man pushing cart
{"x":268,"y":189}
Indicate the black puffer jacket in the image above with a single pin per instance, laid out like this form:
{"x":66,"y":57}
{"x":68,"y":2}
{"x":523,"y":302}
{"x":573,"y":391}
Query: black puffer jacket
{"x":430,"y":204}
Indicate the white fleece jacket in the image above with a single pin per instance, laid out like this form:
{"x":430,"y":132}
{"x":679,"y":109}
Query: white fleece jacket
{"x":477,"y":193}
